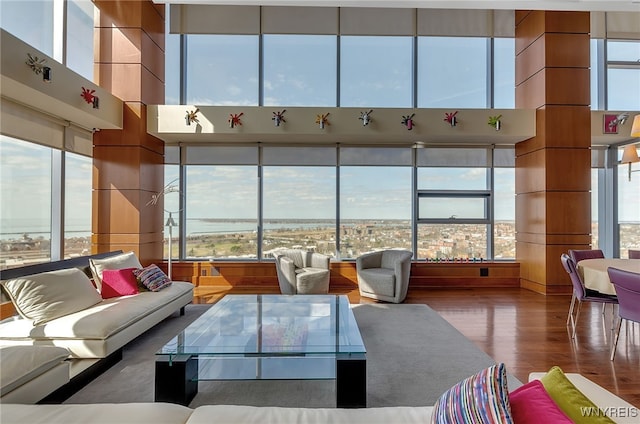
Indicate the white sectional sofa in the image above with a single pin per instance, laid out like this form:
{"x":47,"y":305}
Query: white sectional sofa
{"x":165,"y":413}
{"x":92,"y":336}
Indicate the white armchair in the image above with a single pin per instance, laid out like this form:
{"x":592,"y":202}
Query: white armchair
{"x":384,"y":275}
{"x":302,"y":272}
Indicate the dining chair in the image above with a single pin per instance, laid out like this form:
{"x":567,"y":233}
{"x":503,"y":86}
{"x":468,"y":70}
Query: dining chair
{"x":627,"y":286}
{"x":634,"y":254}
{"x":578,"y":255}
{"x":581,"y":294}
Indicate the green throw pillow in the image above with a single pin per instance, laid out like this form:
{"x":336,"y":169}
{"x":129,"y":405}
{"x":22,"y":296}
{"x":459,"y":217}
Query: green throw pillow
{"x":572,"y":401}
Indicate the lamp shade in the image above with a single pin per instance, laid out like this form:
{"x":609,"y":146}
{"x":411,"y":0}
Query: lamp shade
{"x":630,"y":154}
{"x":635,"y":128}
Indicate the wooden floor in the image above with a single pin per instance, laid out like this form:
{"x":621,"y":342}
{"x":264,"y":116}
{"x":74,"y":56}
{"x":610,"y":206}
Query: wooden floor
{"x":527,"y":331}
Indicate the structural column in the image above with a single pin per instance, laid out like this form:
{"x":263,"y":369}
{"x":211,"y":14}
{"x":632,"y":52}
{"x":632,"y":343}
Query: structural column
{"x":553,"y":169}
{"x":128,"y":163}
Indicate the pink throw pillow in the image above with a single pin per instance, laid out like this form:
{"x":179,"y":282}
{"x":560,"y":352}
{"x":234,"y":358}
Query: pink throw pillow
{"x":532,"y":404}
{"x":118,"y":282}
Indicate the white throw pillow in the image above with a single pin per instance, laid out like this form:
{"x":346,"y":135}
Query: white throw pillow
{"x":49,"y":295}
{"x":124,"y":260}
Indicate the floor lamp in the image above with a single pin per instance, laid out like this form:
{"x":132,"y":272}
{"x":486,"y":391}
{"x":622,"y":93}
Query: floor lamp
{"x":170,"y":223}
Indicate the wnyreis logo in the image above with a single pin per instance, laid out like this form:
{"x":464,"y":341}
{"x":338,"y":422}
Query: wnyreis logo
{"x":611,"y":412}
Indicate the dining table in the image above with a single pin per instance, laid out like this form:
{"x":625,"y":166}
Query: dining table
{"x":594,"y":272}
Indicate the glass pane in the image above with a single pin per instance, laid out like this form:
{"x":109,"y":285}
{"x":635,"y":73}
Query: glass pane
{"x":300,"y":70}
{"x":595,"y":75}
{"x":299,"y":209}
{"x":505,"y":213}
{"x":80,"y":37}
{"x":171,"y":209}
{"x":222,"y":70}
{"x":450,"y":241}
{"x":594,"y":207}
{"x":628,"y":207}
{"x":171,"y":63}
{"x":376,"y":71}
{"x":623,"y":51}
{"x":452,"y":72}
{"x":622,"y":82}
{"x":452,"y":208}
{"x":375,"y":209}
{"x":452,"y":178}
{"x":504,"y":65}
{"x":25,"y":203}
{"x":31,"y":21}
{"x":78,"y":202}
{"x":222,"y":219}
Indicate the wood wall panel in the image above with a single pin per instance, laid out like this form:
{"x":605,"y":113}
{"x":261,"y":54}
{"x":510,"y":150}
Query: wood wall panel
{"x":566,"y":50}
{"x":130,"y":45}
{"x":152,"y":21}
{"x":576,"y":169}
{"x":532,"y":266}
{"x":532,"y":91}
{"x":553,"y":169}
{"x":566,"y":86}
{"x":124,"y":238}
{"x":116,"y":168}
{"x":120,"y":13}
{"x":152,"y":88}
{"x":128,"y":163}
{"x":262,"y":275}
{"x":563,"y":125}
{"x":567,"y":21}
{"x":571,"y":212}
{"x":530,"y":172}
{"x":531,"y":61}
{"x":531,"y":212}
{"x":528,"y":29}
{"x":134,"y":132}
{"x":566,"y":239}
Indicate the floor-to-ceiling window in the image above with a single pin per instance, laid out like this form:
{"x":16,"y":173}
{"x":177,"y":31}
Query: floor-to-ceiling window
{"x":25,"y":202}
{"x":77,"y":207}
{"x":375,"y":200}
{"x":376,"y":71}
{"x":454,"y":203}
{"x":222,"y":70}
{"x":452,"y":72}
{"x":623,"y":78}
{"x":299,"y":70}
{"x":221,"y":205}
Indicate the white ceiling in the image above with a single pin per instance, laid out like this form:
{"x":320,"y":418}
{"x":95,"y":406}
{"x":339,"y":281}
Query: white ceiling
{"x":579,"y":5}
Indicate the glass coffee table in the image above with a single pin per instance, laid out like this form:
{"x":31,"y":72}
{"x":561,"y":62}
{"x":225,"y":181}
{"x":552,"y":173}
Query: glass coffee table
{"x":267,"y":337}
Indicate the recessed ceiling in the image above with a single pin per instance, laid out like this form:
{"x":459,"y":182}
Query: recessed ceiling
{"x":579,"y":5}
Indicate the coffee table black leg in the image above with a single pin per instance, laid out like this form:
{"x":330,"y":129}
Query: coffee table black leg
{"x":176,"y":379}
{"x":351,"y":381}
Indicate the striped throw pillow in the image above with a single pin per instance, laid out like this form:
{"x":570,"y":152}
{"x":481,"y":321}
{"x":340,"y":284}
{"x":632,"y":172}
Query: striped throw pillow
{"x":482,"y":398}
{"x":152,"y":277}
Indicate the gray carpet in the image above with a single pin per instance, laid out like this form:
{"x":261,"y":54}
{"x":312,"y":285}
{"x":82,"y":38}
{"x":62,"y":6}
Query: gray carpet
{"x":413,"y":356}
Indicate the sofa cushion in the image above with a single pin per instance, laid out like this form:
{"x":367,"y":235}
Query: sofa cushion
{"x":571,"y":400}
{"x":152,"y":278}
{"x":96,"y":413}
{"x":531,"y":404}
{"x":123,"y":260}
{"x":50,"y":295}
{"x":118,"y":282}
{"x":210,"y":414}
{"x":482,"y":398}
{"x":20,"y":364}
